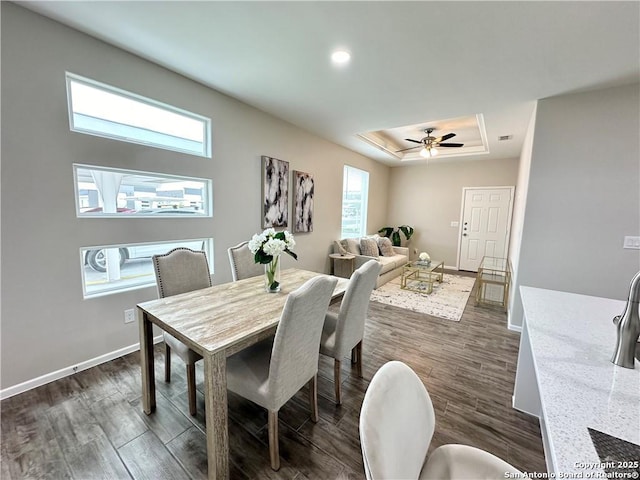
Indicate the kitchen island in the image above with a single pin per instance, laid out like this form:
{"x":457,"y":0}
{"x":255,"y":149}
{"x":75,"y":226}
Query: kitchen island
{"x":565,"y":378}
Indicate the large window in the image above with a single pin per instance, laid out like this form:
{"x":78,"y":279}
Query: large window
{"x":112,"y":192}
{"x":106,"y":111}
{"x":355,"y":193}
{"x":109,"y":269}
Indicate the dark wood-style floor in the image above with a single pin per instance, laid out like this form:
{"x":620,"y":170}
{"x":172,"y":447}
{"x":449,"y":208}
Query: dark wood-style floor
{"x":91,"y":425}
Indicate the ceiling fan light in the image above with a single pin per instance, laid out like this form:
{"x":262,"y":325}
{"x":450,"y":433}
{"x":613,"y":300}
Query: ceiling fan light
{"x":434,"y":152}
{"x":424,"y":152}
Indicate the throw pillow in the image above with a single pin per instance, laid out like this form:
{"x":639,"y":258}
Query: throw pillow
{"x":338,"y":248}
{"x":369,"y":247}
{"x":353,"y":246}
{"x":386,"y":247}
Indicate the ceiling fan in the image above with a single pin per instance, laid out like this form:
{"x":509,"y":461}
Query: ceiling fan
{"x":429,"y":143}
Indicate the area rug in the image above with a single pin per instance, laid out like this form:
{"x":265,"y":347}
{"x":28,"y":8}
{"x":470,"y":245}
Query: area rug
{"x":447,"y":300}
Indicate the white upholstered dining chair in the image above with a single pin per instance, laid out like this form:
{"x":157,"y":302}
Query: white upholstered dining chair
{"x":270,"y":372}
{"x":343,"y":332}
{"x":397,"y":423}
{"x":242,"y":262}
{"x":178,"y":271}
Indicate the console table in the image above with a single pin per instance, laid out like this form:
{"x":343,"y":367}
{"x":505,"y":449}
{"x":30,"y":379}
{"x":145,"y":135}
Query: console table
{"x":494,"y":271}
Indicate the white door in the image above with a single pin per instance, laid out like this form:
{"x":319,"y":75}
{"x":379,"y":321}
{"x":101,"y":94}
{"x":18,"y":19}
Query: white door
{"x":486,"y":223}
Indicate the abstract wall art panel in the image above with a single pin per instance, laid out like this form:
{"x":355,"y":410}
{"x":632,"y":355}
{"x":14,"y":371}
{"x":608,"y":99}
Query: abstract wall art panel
{"x":303,"y":191}
{"x":275,"y":192}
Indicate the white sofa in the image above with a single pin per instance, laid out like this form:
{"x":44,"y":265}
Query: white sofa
{"x":391,"y":265}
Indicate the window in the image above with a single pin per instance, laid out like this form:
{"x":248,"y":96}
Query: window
{"x":105,"y":111}
{"x":112,"y":192}
{"x":109,"y":269}
{"x":355,"y":191}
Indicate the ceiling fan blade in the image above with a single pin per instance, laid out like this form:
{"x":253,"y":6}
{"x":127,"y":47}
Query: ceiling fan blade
{"x":450,"y":144}
{"x":444,"y":137}
{"x":405,"y":149}
{"x":412,"y":140}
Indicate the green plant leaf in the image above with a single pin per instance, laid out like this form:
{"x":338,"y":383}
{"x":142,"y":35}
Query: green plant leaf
{"x":407,"y":230}
{"x":292,"y":254}
{"x":261,"y":257}
{"x":386,"y":231}
{"x":395,"y":239}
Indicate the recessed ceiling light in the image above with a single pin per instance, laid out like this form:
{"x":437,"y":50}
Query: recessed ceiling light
{"x":340,"y":57}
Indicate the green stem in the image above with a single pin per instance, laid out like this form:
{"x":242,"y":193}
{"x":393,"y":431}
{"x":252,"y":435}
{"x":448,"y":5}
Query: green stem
{"x":271,"y":273}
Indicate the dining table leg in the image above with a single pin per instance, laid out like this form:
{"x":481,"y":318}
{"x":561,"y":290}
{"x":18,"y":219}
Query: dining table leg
{"x":215,"y":403}
{"x":146,"y":362}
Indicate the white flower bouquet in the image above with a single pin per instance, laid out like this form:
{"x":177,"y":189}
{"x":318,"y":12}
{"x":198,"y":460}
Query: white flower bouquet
{"x":267,"y":248}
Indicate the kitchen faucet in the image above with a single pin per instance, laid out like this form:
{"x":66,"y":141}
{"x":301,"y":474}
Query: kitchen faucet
{"x":628,"y":327}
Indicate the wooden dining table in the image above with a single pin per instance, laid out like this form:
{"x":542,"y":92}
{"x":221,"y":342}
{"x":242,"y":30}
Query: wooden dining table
{"x":216,"y":322}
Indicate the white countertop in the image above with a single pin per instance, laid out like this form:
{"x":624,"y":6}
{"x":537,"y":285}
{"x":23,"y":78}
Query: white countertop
{"x":572,"y":339}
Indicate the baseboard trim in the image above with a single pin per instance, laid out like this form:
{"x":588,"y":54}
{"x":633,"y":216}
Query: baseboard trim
{"x":65,"y":372}
{"x":512,"y":327}
{"x":513,"y":401}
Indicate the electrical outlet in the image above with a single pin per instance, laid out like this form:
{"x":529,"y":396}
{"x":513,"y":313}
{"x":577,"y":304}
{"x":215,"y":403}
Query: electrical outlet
{"x":632,"y":242}
{"x":129,"y":316}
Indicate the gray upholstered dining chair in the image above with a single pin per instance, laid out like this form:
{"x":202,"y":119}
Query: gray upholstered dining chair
{"x":343,"y":332}
{"x":270,"y":372}
{"x":242,"y":262}
{"x":397,"y":422}
{"x":178,"y":271}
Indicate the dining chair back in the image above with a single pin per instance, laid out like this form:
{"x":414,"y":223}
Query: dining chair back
{"x":343,"y":332}
{"x":242,"y":262}
{"x":397,"y":423}
{"x":396,"y":401}
{"x":354,"y":306}
{"x":178,"y":271}
{"x":272,"y":371}
{"x":294,"y":359}
{"x":181,"y":270}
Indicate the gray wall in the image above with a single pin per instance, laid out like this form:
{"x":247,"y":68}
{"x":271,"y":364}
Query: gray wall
{"x":429,"y":198}
{"x":46,"y":325}
{"x":584,"y":195}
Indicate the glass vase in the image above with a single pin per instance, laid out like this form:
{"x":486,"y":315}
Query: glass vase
{"x":272,"y":275}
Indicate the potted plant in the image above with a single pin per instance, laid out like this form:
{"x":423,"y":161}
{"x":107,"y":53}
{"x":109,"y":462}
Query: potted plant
{"x":394,"y":233}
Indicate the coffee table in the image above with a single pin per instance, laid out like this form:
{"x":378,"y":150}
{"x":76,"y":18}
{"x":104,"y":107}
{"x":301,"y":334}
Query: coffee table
{"x":419,"y":276}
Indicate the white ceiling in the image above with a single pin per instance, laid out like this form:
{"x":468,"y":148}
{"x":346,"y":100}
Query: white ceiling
{"x":412,"y":62}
